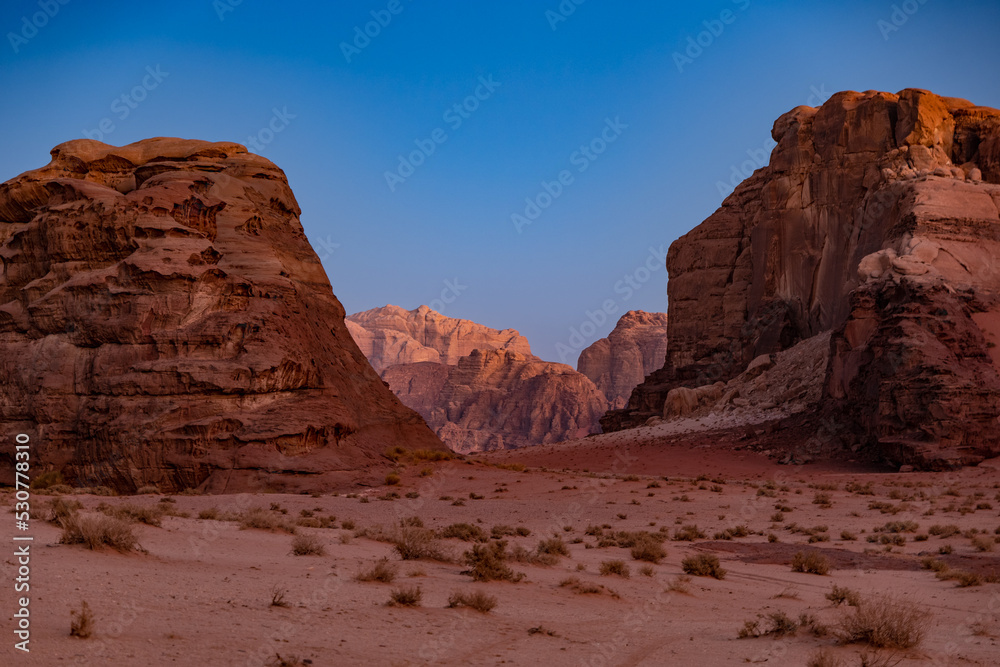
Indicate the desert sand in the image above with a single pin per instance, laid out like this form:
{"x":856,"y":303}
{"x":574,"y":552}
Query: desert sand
{"x":201,"y":590}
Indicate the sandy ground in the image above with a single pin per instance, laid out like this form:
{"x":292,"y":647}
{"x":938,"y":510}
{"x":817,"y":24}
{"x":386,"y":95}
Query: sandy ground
{"x":202,"y":593}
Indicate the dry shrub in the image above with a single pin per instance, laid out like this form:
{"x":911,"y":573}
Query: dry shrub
{"x":885,"y":622}
{"x":278,"y":597}
{"x":150,"y":515}
{"x":841,"y":594}
{"x":779,"y":625}
{"x":487,"y":562}
{"x":479,"y":601}
{"x":81,"y":622}
{"x":812,"y":562}
{"x":648,"y":550}
{"x":554,"y":547}
{"x":519,"y":554}
{"x":414,"y":543}
{"x":97,"y":531}
{"x":382,"y":571}
{"x":307,"y":545}
{"x":581,"y":588}
{"x":688,"y":533}
{"x":405,"y":597}
{"x":291,"y":661}
{"x":261,"y":519}
{"x":703,"y":565}
{"x":466,"y":532}
{"x":59,"y":508}
{"x":617,"y":568}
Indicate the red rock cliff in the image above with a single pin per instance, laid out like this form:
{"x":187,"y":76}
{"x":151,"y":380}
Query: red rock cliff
{"x":163,"y":320}
{"x":877,"y":218}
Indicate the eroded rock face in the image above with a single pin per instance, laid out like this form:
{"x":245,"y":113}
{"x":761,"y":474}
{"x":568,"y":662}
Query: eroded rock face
{"x":497,"y":399}
{"x":392,"y":335}
{"x":635,"y":348}
{"x":479,"y":389}
{"x":163,"y":320}
{"x":877,"y":214}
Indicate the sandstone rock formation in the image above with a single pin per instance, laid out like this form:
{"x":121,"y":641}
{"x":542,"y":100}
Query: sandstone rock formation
{"x":163,"y":320}
{"x":496,"y":399}
{"x":619,"y":363}
{"x":877,"y":218}
{"x":479,"y":389}
{"x":392,"y":335}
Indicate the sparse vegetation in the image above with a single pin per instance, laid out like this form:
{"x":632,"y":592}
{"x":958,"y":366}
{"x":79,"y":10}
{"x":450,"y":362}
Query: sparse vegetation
{"x":307,"y":545}
{"x":414,"y":542}
{"x":884,"y":622}
{"x":688,"y":533}
{"x":617,"y":568}
{"x":466,"y":532}
{"x":278,"y":597}
{"x":81,"y":622}
{"x":382,"y":571}
{"x":406,"y":597}
{"x":811,"y":562}
{"x":840,"y":594}
{"x":703,"y":565}
{"x":779,"y":624}
{"x":258,"y":518}
{"x":478,"y":600}
{"x":97,"y":531}
{"x":488,"y":563}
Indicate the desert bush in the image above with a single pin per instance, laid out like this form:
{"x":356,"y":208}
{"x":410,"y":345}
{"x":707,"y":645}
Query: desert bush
{"x":261,"y":519}
{"x":898,"y":527}
{"x":703,"y":565}
{"x":147,"y":489}
{"x":81,"y":623}
{"x":60,"y":508}
{"x":479,"y":601}
{"x":307,"y":545}
{"x":488,"y":563}
{"x":812,"y":562}
{"x":688,"y":533}
{"x":278,"y":597}
{"x":466,"y":532}
{"x":554,"y":546}
{"x":841,"y":594}
{"x":210,"y":514}
{"x":148,"y":514}
{"x":647,"y":571}
{"x":97,"y":531}
{"x":405,"y":597}
{"x":944,"y":531}
{"x":649,"y":550}
{"x":48,"y":479}
{"x":414,"y":543}
{"x":982,"y":543}
{"x":884,"y":622}
{"x":382,"y":571}
{"x":277,"y":660}
{"x":501,"y":530}
{"x":392,"y":479}
{"x":779,"y":625}
{"x":617,"y":568}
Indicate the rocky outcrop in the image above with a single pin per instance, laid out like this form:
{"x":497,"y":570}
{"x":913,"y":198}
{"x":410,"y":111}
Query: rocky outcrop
{"x":163,"y":320}
{"x":497,"y":399}
{"x":635,"y":348}
{"x":392,"y":335}
{"x":877,"y":219}
{"x":479,"y":389}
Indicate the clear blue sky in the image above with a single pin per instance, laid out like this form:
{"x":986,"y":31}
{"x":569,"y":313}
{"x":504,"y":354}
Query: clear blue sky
{"x":345,"y":118}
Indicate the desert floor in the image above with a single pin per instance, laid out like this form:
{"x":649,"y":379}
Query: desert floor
{"x":201,"y":591}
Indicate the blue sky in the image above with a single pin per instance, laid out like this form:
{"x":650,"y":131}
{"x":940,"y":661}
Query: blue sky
{"x":644,"y":129}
